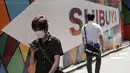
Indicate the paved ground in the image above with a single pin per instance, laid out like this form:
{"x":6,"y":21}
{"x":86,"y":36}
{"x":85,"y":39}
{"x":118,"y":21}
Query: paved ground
{"x":118,"y":62}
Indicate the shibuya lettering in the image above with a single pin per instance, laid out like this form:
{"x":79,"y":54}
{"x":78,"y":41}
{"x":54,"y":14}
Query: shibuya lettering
{"x":102,"y":17}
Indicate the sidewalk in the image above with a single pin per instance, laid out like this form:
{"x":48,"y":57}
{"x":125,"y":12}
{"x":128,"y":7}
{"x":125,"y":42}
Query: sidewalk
{"x":75,"y":67}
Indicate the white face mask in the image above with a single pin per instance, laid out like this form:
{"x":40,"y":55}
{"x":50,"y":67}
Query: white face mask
{"x":40,"y":34}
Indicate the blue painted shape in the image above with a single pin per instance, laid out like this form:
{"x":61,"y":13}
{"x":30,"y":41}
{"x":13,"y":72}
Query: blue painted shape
{"x":25,"y":70}
{"x":2,"y":69}
{"x":80,"y":50}
{"x":27,"y":61}
{"x":127,"y":2}
{"x":15,"y":7}
{"x":26,"y":64}
{"x":65,"y":60}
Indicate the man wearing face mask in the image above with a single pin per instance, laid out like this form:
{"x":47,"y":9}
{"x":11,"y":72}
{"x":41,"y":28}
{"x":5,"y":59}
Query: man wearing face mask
{"x":50,"y":44}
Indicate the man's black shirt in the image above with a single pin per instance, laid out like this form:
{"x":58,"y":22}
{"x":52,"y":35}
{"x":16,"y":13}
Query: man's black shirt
{"x":51,"y":47}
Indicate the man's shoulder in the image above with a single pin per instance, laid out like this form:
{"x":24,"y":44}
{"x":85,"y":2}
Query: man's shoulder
{"x":97,"y":25}
{"x":36,"y":40}
{"x":84,"y":26}
{"x":53,"y":38}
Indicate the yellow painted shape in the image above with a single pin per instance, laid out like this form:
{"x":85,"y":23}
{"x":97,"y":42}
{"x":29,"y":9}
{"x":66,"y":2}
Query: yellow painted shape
{"x":73,"y":54}
{"x":24,"y":50}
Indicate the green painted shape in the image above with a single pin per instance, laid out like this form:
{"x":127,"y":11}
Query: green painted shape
{"x":16,"y":64}
{"x":105,"y":2}
{"x":126,"y":14}
{"x":3,"y":39}
{"x":119,"y":6}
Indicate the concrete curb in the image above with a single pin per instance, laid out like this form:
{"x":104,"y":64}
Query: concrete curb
{"x":106,"y":54}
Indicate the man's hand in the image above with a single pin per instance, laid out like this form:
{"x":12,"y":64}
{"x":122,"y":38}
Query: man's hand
{"x":101,"y":41}
{"x":51,"y":72}
{"x":56,"y":63}
{"x":33,"y":49}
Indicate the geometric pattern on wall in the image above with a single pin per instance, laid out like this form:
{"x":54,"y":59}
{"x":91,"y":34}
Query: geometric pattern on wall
{"x":27,"y":63}
{"x":106,"y":2}
{"x":114,"y":3}
{"x":25,"y":70}
{"x":17,"y":63}
{"x":126,"y":13}
{"x":3,"y":40}
{"x":24,"y":50}
{"x":69,"y":57}
{"x":67,"y":61}
{"x":126,"y":18}
{"x":10,"y":48}
{"x":78,"y":56}
{"x":127,"y":2}
{"x":79,"y":53}
{"x":32,"y":1}
{"x":16,"y":59}
{"x":15,"y":7}
{"x":4,"y":19}
{"x":2,"y":69}
{"x":14,"y":55}
{"x":73,"y":54}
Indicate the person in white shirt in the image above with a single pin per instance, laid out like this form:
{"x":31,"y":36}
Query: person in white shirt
{"x":92,"y":34}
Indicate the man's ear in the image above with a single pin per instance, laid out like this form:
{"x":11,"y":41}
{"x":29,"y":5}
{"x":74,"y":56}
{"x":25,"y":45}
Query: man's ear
{"x":45,"y":30}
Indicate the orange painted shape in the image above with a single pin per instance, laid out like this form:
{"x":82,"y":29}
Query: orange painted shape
{"x":73,"y":54}
{"x":102,"y":2}
{"x":4,"y":19}
{"x":1,"y":32}
{"x":24,"y":49}
{"x":122,"y":28}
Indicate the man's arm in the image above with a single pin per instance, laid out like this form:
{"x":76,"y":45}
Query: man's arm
{"x":101,"y":41}
{"x":32,"y":58}
{"x":83,"y":36}
{"x":55,"y":64}
{"x":57,"y":52}
{"x":100,"y":33}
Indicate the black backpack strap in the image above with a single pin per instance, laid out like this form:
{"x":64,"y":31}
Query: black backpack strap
{"x":85,"y":33}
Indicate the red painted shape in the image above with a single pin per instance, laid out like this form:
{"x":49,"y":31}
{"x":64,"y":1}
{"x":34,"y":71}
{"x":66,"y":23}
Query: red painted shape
{"x":127,"y":31}
{"x":10,"y":48}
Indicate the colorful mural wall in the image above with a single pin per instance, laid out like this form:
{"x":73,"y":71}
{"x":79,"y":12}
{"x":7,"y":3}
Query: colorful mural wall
{"x":126,"y":18}
{"x":15,"y":54}
{"x":112,"y":37}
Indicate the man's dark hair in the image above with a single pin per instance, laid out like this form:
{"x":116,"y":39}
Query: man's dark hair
{"x":91,"y":17}
{"x":40,"y":23}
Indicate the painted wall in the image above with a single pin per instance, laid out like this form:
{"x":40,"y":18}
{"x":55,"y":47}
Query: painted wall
{"x":126,"y":18}
{"x":16,"y":15}
{"x":13,"y":52}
